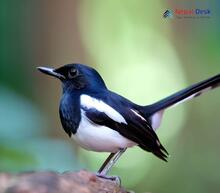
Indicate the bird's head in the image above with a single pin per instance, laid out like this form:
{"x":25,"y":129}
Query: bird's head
{"x":76,"y":76}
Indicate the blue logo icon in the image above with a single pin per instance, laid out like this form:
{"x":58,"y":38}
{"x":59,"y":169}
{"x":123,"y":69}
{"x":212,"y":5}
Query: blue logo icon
{"x":168,"y":14}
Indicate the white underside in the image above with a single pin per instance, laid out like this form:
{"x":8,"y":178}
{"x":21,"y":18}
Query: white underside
{"x":99,"y":138}
{"x":156,"y":119}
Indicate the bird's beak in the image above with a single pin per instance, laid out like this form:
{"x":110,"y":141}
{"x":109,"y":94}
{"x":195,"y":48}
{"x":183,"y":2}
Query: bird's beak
{"x":51,"y":72}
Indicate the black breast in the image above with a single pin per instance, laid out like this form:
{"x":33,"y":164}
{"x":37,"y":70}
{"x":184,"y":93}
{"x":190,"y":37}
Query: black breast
{"x":70,"y":113}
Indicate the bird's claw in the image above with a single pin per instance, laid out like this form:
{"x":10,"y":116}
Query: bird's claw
{"x":115,"y":179}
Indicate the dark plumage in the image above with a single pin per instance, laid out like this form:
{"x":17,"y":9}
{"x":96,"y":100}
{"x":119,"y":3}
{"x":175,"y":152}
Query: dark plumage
{"x":101,"y":120}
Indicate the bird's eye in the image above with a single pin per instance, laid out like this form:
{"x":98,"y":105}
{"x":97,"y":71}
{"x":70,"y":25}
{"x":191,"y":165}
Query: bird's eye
{"x":72,"y":73}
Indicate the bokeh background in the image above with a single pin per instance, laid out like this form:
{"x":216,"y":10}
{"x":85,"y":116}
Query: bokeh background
{"x":140,"y":55}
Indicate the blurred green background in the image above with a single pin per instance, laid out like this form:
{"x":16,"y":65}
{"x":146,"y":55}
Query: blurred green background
{"x":140,"y":55}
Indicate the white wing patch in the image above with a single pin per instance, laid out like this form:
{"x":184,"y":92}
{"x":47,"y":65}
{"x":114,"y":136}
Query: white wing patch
{"x":136,"y":113}
{"x":90,"y":102}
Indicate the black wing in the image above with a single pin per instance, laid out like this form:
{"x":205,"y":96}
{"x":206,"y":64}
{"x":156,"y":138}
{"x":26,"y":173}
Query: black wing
{"x":136,"y":129}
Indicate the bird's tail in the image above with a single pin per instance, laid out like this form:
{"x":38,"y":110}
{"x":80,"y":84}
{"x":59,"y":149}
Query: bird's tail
{"x":155,"y":111}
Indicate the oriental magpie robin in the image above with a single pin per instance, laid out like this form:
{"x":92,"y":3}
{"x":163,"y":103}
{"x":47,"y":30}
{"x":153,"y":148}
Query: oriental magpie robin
{"x":101,"y":120}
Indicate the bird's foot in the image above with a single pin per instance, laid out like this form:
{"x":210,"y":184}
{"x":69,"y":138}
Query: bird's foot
{"x":114,"y":179}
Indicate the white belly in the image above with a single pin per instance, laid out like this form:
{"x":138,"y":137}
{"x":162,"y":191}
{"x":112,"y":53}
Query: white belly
{"x":99,"y":138}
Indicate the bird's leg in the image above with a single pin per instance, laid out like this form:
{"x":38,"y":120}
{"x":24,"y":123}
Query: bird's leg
{"x":107,"y":165}
{"x":110,"y":161}
{"x":109,"y":158}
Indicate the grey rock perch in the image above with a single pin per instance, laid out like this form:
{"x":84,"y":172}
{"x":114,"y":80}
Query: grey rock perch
{"x":53,"y":182}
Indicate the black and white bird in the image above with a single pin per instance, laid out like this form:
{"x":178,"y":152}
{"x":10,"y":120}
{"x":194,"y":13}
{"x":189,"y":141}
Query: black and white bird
{"x":103,"y":121}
